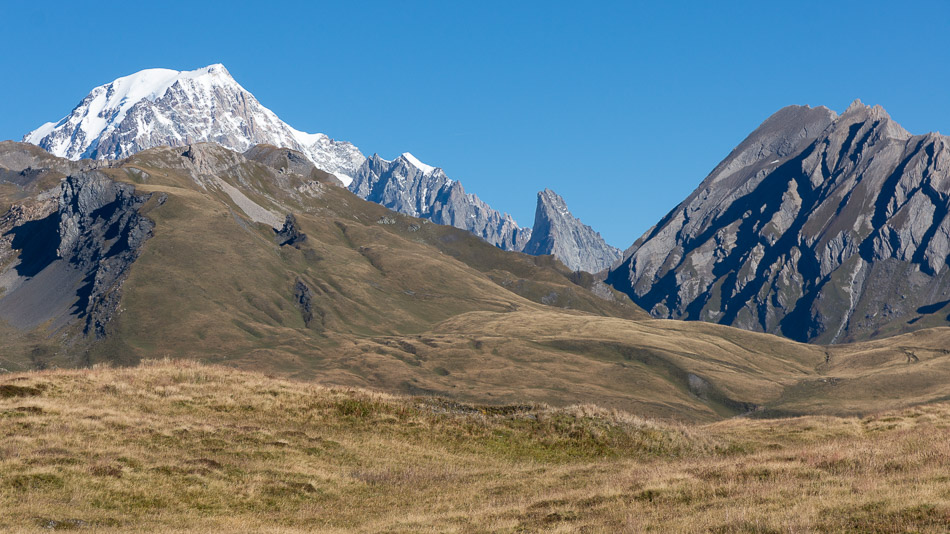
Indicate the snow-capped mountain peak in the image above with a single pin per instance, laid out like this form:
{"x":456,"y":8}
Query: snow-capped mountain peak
{"x":107,"y":105}
{"x":156,"y":107}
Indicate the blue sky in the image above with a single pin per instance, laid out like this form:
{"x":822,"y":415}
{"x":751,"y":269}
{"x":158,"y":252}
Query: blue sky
{"x":621,"y":107}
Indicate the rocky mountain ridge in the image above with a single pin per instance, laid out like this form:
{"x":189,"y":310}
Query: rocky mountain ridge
{"x":819,"y":227}
{"x":66,"y":254}
{"x":409,"y":186}
{"x":157,"y":107}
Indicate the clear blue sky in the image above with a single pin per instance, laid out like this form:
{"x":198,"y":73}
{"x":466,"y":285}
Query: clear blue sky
{"x":621,"y":107}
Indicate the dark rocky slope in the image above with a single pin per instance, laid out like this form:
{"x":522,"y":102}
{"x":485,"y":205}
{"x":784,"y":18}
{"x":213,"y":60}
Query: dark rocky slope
{"x":67,"y":256}
{"x":818,"y":227}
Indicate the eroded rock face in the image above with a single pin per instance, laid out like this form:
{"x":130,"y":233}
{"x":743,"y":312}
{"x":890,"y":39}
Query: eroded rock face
{"x":101,"y":234}
{"x":72,"y":254}
{"x":556,"y":231}
{"x":290,"y":234}
{"x":420,"y":191}
{"x":818,"y":227}
{"x":304,"y":300}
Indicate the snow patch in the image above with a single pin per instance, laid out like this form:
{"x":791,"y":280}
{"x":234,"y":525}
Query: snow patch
{"x":345,"y":178}
{"x":309,"y":139}
{"x":426,"y":169}
{"x":39,"y":133}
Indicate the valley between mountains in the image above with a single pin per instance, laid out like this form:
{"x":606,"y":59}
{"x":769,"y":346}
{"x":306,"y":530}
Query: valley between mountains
{"x":263,"y":262}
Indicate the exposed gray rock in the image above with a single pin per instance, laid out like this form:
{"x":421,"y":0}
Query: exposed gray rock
{"x":407,"y":186}
{"x":71,"y":262}
{"x":558,"y":232}
{"x":289,"y":233}
{"x":288,"y":161}
{"x":819,"y":227}
{"x":206,"y":163}
{"x":304,"y":299}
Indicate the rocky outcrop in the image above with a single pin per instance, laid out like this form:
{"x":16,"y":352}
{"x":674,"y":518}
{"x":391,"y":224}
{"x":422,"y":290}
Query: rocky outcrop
{"x":71,"y":262}
{"x":288,"y":161}
{"x":818,"y":227}
{"x":101,"y":234}
{"x":559,"y":233}
{"x":289,"y":234}
{"x":408,"y":186}
{"x":304,"y":300}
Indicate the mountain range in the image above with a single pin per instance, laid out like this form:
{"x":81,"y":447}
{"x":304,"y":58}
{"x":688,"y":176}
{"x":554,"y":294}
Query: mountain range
{"x":821,"y":227}
{"x":259,"y":260}
{"x":162,"y":107}
{"x":409,"y":186}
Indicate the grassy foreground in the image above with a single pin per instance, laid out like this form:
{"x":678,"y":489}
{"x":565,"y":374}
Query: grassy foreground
{"x":175,"y":446}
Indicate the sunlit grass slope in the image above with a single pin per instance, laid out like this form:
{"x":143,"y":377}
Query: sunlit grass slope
{"x":176,"y":446}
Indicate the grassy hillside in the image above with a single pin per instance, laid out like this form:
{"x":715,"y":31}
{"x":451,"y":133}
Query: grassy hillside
{"x":178,"y":446}
{"x":214,"y":281}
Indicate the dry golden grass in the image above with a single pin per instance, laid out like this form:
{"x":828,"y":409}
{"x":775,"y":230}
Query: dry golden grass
{"x":174,"y":446}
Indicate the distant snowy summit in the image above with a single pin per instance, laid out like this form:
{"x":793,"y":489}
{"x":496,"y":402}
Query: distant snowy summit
{"x":156,"y":107}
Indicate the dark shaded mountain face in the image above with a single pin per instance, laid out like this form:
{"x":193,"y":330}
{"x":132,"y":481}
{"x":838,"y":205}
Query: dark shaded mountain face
{"x":65,"y":255}
{"x":818,"y":227}
{"x":564,"y":236}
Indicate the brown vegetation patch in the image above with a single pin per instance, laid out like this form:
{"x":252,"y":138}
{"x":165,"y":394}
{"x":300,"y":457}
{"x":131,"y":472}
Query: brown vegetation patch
{"x":9,"y":390}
